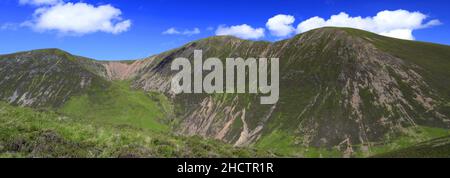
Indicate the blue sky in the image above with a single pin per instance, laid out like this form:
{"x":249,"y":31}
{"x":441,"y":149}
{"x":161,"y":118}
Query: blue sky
{"x":132,"y":29}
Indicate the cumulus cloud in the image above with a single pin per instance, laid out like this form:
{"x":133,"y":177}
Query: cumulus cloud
{"x":171,"y":31}
{"x":399,"y":33}
{"x":397,"y":24}
{"x":174,"y":31}
{"x":40,"y":2}
{"x":281,"y":25}
{"x":242,"y":31}
{"x":78,"y":18}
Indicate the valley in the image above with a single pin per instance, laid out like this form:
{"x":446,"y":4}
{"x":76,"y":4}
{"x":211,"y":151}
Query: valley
{"x":343,"y":93}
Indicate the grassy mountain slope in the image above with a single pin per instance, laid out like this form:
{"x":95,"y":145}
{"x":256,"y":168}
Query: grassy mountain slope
{"x":343,"y":90}
{"x":121,"y":105}
{"x":80,"y":110}
{"x":25,"y":132}
{"x":435,"y":148}
{"x":433,"y":58}
{"x":46,"y":78}
{"x":79,"y":87}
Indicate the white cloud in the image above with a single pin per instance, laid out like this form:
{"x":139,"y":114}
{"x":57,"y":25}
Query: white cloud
{"x":171,"y":31}
{"x":242,"y":31}
{"x":40,"y":2}
{"x":281,"y":25}
{"x":397,"y":24}
{"x":399,"y":33}
{"x":79,"y":19}
{"x":432,"y":23}
{"x":191,"y":32}
{"x":174,"y":31}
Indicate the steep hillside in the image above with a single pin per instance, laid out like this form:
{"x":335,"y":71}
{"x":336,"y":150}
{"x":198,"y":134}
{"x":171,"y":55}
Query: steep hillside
{"x":341,"y":89}
{"x":46,"y":78}
{"x":80,"y":87}
{"x":343,"y":92}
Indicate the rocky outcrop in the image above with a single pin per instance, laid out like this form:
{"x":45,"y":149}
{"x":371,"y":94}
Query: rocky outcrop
{"x":122,"y":70}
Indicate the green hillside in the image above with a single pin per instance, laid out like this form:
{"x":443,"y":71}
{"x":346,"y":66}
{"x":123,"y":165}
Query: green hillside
{"x":119,"y":104}
{"x":436,"y":148}
{"x":343,"y":93}
{"x":28,"y":133}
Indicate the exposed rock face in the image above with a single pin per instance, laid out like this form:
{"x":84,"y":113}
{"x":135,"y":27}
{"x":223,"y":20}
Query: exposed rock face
{"x":122,"y":70}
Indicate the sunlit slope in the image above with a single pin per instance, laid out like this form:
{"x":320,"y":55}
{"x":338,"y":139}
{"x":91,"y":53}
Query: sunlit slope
{"x":25,"y":132}
{"x":342,"y":90}
{"x":52,"y":79}
{"x":46,"y":78}
{"x":121,"y":105}
{"x":436,"y":148}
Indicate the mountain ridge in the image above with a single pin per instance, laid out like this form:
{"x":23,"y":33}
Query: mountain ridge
{"x":341,"y":90}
